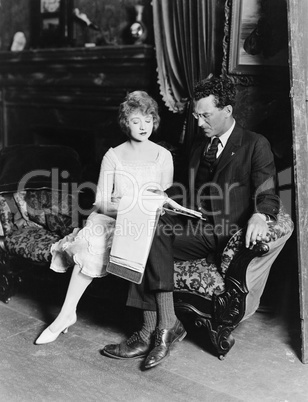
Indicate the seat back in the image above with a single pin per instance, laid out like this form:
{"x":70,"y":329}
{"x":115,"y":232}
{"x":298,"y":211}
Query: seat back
{"x":36,"y":187}
{"x":24,"y":167}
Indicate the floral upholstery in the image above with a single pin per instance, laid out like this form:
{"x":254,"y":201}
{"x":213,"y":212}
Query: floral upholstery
{"x":32,"y":220}
{"x":49,"y":209}
{"x":37,"y":206}
{"x":281,"y":227}
{"x":10,"y":216}
{"x":233,"y":245}
{"x":31,"y":242}
{"x":200,"y":277}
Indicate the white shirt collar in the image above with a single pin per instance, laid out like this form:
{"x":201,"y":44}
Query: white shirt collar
{"x":224,"y":137}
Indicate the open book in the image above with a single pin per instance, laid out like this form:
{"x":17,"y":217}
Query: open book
{"x":134,"y":231}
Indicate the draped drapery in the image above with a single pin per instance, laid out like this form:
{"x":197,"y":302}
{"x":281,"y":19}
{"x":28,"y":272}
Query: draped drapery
{"x":184,"y":32}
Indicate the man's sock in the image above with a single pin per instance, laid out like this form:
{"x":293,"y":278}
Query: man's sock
{"x":165,"y":310}
{"x":149,"y":324}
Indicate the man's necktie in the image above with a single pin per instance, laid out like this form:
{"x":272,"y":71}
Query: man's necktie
{"x":209,"y":156}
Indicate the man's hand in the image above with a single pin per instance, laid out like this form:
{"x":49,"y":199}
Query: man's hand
{"x":256,"y":230}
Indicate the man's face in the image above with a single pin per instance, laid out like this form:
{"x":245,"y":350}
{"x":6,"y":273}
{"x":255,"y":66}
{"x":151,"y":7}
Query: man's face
{"x":212,"y":120}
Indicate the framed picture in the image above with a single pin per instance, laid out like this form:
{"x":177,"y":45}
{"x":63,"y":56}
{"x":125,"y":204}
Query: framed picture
{"x":258,"y":36}
{"x":52,"y":23}
{"x":50,"y":6}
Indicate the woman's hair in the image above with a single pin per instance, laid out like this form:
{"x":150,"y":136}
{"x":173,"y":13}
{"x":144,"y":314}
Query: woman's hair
{"x":138,"y":102}
{"x":222,"y":89}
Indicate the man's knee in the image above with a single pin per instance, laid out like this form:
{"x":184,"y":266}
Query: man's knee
{"x":167,"y":225}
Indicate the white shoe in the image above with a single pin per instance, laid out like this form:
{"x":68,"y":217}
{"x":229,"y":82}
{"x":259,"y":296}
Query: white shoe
{"x":47,"y":336}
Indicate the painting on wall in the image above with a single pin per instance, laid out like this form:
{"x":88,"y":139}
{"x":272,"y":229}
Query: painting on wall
{"x":51,"y":23}
{"x":258,"y":36}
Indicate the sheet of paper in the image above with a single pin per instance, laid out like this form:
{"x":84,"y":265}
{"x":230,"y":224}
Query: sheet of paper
{"x":135,"y":226}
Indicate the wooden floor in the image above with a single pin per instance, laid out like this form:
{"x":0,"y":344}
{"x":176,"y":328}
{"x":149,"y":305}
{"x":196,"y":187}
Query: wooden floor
{"x":263,"y":365}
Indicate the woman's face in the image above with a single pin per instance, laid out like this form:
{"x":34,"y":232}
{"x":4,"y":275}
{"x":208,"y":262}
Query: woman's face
{"x":141,"y":126}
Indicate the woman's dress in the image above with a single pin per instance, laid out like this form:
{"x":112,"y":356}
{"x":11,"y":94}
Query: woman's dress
{"x":89,"y":247}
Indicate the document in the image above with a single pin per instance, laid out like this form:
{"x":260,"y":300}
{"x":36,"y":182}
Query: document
{"x":134,"y":231}
{"x":135,"y":227}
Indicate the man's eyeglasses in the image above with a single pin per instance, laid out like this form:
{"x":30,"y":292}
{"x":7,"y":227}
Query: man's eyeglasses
{"x":198,"y":116}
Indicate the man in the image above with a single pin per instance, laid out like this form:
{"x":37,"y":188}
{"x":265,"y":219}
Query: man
{"x":232,"y":182}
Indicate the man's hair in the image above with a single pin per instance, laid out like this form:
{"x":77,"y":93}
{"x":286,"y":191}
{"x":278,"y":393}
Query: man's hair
{"x":138,"y":102}
{"x":222,"y":89}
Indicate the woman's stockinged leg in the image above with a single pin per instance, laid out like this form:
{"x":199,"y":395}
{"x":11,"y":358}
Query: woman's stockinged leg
{"x":67,"y":316}
{"x":76,"y":288}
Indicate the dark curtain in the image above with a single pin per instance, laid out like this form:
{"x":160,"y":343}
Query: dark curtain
{"x":184,"y":39}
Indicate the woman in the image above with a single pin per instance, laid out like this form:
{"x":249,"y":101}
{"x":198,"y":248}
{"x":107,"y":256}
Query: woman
{"x":135,"y":164}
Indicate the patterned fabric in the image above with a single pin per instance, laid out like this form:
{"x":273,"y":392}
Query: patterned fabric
{"x":281,"y":227}
{"x":49,"y":209}
{"x":199,"y":277}
{"x":33,"y":220}
{"x":33,"y":205}
{"x":19,"y":198}
{"x":6,"y":216}
{"x":10,"y":216}
{"x":31,"y":243}
{"x":59,"y":223}
{"x":233,"y":245}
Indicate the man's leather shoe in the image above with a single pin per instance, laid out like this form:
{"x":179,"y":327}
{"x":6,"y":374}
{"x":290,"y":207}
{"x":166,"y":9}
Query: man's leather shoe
{"x":164,"y":339}
{"x":133,"y":348}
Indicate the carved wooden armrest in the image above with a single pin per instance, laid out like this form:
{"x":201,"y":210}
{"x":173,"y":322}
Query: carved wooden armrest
{"x":229,"y":307}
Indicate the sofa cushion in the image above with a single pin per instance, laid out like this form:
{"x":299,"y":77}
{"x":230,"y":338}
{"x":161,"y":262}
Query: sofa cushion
{"x":199,"y":277}
{"x":50,"y":209}
{"x":31,"y":242}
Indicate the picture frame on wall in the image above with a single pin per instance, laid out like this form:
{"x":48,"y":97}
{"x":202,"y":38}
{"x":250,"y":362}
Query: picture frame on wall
{"x":258,"y":36}
{"x":52,"y":23}
{"x":50,"y":6}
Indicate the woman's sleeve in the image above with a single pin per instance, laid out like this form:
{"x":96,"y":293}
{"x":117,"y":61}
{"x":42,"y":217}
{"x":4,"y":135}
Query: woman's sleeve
{"x":105,"y":186}
{"x":167,"y":171}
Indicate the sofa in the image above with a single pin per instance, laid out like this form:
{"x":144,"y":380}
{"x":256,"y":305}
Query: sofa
{"x":38,"y":200}
{"x":35,"y":212}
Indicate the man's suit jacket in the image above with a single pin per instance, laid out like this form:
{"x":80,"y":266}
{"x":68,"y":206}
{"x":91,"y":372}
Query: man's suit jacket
{"x":243,"y":182}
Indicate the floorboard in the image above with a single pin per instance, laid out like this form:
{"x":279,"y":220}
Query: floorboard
{"x":263,"y":365}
